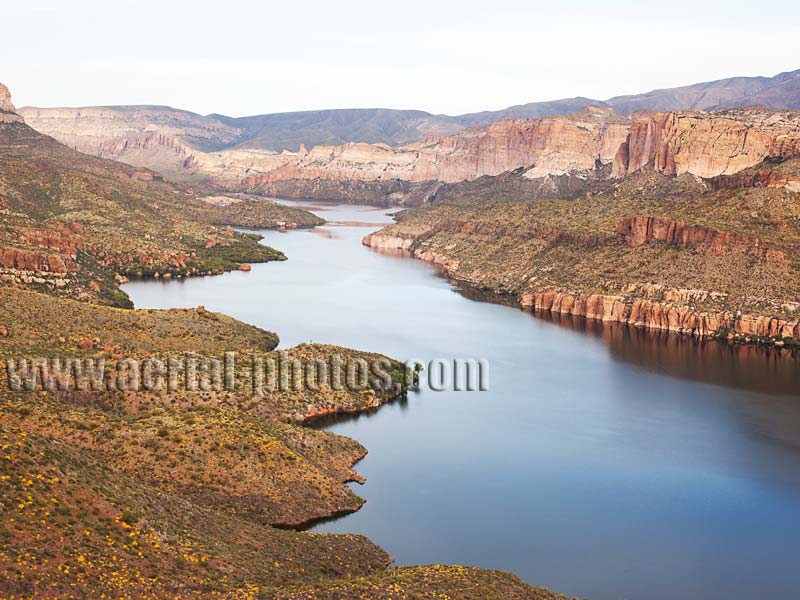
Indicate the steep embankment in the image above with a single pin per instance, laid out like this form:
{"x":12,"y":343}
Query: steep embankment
{"x":580,"y":149}
{"x":704,"y":258}
{"x":551,"y":145}
{"x":89,"y":128}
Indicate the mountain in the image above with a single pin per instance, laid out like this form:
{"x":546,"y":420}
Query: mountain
{"x":92,"y":129}
{"x":87,"y":129}
{"x":288,"y":131}
{"x":549,"y":145}
{"x":780,"y":92}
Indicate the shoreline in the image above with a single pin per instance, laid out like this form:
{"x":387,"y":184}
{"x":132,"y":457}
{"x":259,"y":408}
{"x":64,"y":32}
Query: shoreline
{"x":639,"y":313}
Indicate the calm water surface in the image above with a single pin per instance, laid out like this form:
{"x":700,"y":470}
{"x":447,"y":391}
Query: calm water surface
{"x":604,"y":462}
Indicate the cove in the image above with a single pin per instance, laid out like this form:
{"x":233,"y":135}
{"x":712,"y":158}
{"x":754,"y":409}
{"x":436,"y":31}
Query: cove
{"x":603,"y":461}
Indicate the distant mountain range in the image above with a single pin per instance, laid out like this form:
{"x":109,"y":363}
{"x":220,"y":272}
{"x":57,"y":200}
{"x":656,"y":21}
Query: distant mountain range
{"x":86,"y":128}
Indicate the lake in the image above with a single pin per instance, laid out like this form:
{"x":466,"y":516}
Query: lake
{"x":602,"y":462}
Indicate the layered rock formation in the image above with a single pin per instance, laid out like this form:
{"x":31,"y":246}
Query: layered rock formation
{"x":640,"y":230}
{"x":547,"y":146}
{"x":76,"y":226}
{"x":703,"y":144}
{"x":592,"y":143}
{"x":88,"y":129}
{"x":708,"y":144}
{"x":288,"y":131}
{"x":662,"y":316}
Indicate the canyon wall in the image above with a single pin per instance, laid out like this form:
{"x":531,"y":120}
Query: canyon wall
{"x":640,"y":230}
{"x":708,"y":144}
{"x":185,"y":146}
{"x":89,"y":129}
{"x":654,"y":307}
{"x":546,"y":146}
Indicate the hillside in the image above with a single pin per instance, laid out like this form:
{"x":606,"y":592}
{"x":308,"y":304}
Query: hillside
{"x":706,"y":257}
{"x":289,"y":131}
{"x":75,"y":226}
{"x":778,"y":92}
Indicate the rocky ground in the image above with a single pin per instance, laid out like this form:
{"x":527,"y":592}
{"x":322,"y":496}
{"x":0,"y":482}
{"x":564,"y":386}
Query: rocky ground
{"x":182,"y":494}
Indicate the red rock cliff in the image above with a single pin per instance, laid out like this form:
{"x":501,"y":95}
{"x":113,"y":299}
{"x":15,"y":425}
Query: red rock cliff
{"x":708,"y":144}
{"x":639,"y":230}
{"x":661,"y":316}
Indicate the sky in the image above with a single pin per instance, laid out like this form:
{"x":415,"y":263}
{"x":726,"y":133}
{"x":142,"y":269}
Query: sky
{"x":244,"y":57}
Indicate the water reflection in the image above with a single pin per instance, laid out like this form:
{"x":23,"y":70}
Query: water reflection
{"x":761,"y":369}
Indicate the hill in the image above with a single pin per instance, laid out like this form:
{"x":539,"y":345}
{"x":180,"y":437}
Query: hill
{"x":716,"y":257}
{"x":75,"y":225}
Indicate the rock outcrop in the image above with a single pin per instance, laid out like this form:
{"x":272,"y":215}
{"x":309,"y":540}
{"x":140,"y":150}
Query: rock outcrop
{"x":718,"y":261}
{"x":708,"y":144}
{"x":8,"y":113}
{"x":661,"y":316}
{"x":639,"y":230}
{"x":88,"y":129}
{"x":5,"y":100}
{"x":547,"y":146}
{"x":580,"y":148}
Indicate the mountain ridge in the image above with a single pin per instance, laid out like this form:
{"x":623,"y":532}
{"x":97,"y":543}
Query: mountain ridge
{"x":289,"y":130}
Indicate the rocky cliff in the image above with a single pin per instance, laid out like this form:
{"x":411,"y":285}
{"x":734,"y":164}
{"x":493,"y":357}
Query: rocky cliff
{"x":708,"y":144}
{"x":663,"y":316}
{"x":640,"y":230}
{"x":8,"y":113}
{"x":546,"y":146}
{"x":590,"y":144}
{"x":577,"y":143}
{"x":88,"y":129}
{"x":75,"y":226}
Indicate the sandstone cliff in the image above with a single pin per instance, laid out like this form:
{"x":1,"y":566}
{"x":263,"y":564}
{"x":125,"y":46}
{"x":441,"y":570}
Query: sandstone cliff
{"x":75,"y":226}
{"x":88,"y":129}
{"x":547,"y":146}
{"x":662,"y":316}
{"x":708,"y":144}
{"x":583,"y":147}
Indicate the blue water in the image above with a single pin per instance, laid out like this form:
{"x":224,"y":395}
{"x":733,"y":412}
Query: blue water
{"x":603,"y":462}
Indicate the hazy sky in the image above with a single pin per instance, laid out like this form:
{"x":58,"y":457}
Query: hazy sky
{"x":247,"y":57}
